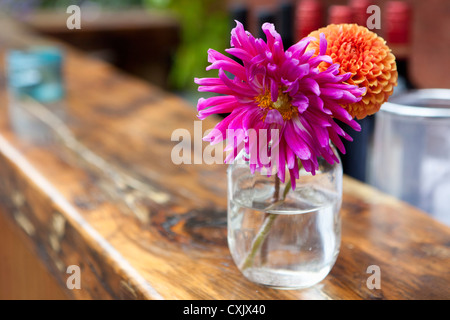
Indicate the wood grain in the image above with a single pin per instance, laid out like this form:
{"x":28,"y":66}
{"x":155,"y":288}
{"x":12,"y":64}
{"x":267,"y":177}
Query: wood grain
{"x":23,"y":276}
{"x":97,"y":188}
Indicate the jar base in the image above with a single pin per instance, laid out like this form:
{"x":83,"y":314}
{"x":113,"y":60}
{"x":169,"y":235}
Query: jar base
{"x":286,"y":279}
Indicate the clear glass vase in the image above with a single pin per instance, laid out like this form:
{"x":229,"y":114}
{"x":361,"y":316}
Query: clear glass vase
{"x":288,"y":243}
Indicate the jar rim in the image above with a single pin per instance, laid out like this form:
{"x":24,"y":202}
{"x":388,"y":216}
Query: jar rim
{"x":426,"y":103}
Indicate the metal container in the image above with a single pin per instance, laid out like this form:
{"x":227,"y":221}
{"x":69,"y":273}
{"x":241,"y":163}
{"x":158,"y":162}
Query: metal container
{"x":410,"y":157}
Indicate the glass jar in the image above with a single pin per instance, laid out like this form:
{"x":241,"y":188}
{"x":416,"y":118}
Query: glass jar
{"x":411,"y":150}
{"x":284,"y":238}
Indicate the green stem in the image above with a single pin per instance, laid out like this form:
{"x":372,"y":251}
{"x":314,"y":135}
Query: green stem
{"x":259,"y":239}
{"x":267,"y":224}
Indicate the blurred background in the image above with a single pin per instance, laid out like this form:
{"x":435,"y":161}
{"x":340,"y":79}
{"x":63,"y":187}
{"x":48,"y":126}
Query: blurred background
{"x":165,"y":42}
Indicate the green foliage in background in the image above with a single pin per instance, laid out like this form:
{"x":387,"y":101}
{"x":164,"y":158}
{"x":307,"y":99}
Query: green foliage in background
{"x":107,"y":4}
{"x":205,"y":24}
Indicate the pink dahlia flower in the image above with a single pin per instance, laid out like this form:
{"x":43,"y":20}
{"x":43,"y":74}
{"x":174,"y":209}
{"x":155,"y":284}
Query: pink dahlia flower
{"x":278,"y":89}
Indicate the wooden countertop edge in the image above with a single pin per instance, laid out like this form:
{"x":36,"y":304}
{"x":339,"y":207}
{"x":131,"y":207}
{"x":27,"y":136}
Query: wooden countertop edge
{"x":109,"y":275}
{"x":123,"y":280}
{"x":132,"y":281}
{"x":373,"y":196}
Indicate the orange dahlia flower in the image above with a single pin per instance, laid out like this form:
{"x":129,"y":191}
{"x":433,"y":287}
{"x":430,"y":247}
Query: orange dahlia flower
{"x":367,"y":57}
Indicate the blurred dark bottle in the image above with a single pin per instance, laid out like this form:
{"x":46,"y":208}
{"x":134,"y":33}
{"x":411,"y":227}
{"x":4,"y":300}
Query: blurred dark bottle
{"x":339,"y":14}
{"x":264,"y":15}
{"x":237,"y":12}
{"x":308,"y":18}
{"x":285,"y":23}
{"x":354,"y":161}
{"x":240,"y":13}
{"x":397,"y":35}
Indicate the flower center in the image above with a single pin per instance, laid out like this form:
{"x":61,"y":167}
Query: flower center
{"x":283,"y":104}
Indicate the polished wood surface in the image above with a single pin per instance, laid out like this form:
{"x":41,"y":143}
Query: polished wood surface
{"x":23,"y":275}
{"x":96,"y":187}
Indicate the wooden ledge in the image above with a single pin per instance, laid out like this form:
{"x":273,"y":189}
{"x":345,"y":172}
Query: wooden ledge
{"x":98,"y":189}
